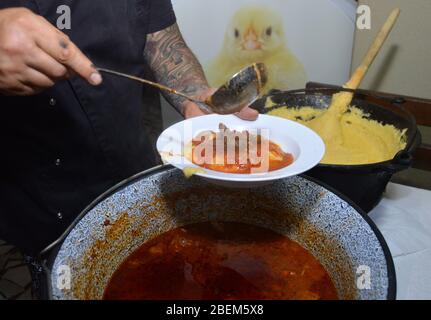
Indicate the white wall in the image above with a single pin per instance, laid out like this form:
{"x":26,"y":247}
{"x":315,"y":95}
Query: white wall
{"x":404,"y":65}
{"x":319,"y":32}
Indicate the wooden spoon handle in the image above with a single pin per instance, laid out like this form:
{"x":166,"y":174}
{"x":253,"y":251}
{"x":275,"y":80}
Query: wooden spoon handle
{"x":360,"y":72}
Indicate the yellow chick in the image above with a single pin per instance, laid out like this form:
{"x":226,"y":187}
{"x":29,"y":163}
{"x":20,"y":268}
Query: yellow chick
{"x":256,"y":34}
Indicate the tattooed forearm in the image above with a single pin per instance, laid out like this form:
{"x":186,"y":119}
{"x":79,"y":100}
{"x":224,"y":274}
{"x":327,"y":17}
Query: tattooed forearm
{"x":174,"y":64}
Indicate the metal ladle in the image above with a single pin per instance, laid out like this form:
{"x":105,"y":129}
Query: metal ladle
{"x":240,"y":91}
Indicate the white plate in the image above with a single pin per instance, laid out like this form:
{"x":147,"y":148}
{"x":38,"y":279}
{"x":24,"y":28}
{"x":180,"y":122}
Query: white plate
{"x":304,"y":144}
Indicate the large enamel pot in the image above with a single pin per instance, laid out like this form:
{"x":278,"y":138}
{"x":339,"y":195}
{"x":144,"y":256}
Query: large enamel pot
{"x":363,"y":184}
{"x":153,"y":202}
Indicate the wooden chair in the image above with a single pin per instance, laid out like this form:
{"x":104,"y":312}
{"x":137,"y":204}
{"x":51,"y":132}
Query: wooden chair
{"x":419,"y":108}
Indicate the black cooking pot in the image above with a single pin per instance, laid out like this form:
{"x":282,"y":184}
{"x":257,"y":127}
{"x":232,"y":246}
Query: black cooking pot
{"x":363,"y":184}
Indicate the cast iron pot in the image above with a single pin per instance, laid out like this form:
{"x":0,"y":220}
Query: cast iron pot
{"x":364,"y":184}
{"x":161,"y":199}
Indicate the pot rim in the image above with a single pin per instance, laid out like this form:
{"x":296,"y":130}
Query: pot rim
{"x":49,"y":254}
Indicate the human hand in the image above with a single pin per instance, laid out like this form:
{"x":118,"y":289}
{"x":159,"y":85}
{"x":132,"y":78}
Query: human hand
{"x":34,"y":55}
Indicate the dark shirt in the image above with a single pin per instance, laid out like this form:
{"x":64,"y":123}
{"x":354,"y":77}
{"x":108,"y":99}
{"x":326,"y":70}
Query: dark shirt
{"x":64,"y":147}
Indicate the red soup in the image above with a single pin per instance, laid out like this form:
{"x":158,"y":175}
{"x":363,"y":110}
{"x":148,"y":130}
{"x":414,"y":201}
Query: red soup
{"x":220,"y":261}
{"x":254,"y":154}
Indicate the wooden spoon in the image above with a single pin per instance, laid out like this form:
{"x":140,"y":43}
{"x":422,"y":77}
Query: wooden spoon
{"x":342,"y":100}
{"x":328,"y":124}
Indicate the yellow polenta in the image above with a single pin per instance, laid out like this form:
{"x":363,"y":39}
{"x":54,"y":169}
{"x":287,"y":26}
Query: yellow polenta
{"x":362,"y":141}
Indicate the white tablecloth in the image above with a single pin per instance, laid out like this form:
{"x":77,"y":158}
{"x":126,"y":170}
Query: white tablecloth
{"x":404,"y":218}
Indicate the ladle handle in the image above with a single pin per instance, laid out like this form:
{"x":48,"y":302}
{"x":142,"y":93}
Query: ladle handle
{"x":360,"y":72}
{"x":151,"y":83}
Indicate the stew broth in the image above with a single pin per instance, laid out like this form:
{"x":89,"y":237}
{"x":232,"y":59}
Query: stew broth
{"x":220,"y":260}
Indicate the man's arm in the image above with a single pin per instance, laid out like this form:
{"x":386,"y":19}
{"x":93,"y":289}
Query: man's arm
{"x":175,"y":66}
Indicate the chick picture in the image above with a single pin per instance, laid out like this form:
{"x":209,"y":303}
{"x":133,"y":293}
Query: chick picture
{"x":256,"y":34}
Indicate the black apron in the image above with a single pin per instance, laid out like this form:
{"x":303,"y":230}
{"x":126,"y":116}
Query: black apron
{"x":64,"y":147}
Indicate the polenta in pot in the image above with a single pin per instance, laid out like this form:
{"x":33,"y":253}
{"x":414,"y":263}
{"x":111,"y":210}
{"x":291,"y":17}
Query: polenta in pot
{"x":358,"y":140}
